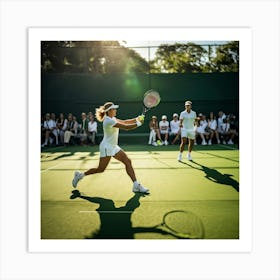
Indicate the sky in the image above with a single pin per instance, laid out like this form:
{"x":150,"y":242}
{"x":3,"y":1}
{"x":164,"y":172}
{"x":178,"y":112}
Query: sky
{"x":144,"y":52}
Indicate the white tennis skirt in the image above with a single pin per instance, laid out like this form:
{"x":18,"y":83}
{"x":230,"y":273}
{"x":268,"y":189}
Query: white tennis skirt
{"x":107,"y":150}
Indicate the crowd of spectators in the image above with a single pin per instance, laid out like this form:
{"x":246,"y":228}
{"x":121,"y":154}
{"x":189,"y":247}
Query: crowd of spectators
{"x":212,"y":130}
{"x":64,"y":131}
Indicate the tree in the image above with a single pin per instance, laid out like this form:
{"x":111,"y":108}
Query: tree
{"x":90,"y":57}
{"x":190,"y":57}
{"x":225,"y":59}
{"x":178,"y":58}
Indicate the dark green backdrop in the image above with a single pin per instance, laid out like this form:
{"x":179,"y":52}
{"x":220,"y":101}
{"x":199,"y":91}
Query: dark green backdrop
{"x":79,"y":93}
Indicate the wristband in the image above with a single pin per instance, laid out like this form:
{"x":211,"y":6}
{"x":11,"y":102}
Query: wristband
{"x":138,"y":123}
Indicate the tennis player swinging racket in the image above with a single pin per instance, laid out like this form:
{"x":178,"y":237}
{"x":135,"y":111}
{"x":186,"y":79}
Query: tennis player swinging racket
{"x":109,"y":145}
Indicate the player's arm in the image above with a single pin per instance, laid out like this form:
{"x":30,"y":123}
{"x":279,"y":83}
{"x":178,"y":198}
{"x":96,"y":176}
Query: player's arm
{"x":128,"y":126}
{"x":128,"y":121}
{"x":181,"y":123}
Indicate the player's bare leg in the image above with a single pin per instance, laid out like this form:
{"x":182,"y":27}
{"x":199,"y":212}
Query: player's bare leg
{"x":190,"y":147}
{"x":183,"y":144}
{"x":103,"y":163}
{"x":122,"y":157}
{"x":182,"y":147}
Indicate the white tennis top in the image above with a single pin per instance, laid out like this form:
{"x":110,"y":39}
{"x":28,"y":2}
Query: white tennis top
{"x":174,"y":126}
{"x":188,"y":119}
{"x":164,"y":127}
{"x":111,"y":134}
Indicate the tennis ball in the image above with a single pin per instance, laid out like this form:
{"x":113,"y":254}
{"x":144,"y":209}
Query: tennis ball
{"x":141,"y":118}
{"x":158,"y":142}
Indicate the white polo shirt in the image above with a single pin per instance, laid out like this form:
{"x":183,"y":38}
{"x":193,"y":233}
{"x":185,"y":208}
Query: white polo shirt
{"x":174,"y":126}
{"x":111,"y":133}
{"x":50,"y":124}
{"x":92,"y":126}
{"x":164,"y":127}
{"x":188,"y":119}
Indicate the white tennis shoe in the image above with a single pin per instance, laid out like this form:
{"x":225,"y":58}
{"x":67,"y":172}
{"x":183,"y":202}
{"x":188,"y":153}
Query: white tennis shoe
{"x":189,"y":156}
{"x":77,"y":177}
{"x":139,"y":188}
{"x":179,"y":157}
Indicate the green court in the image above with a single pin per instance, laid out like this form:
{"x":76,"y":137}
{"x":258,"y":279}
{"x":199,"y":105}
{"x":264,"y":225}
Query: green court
{"x":208,"y":187}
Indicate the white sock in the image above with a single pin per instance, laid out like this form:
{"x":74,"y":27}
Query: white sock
{"x":135,"y":183}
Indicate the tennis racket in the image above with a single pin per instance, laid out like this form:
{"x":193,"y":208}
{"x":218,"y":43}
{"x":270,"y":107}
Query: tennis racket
{"x":151,"y":100}
{"x":178,"y":223}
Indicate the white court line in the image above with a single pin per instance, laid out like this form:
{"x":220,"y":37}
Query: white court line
{"x":111,"y":212}
{"x":50,"y":168}
{"x":228,"y":147}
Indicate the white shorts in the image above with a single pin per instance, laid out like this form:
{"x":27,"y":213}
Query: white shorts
{"x":108,"y":150}
{"x":188,"y":133}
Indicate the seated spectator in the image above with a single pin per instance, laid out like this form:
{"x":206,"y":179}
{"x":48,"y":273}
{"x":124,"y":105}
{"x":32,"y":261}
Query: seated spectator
{"x":202,"y":129}
{"x":83,"y":133}
{"x":49,"y":129}
{"x":61,"y":125}
{"x":154,"y":132}
{"x":213,"y":126}
{"x":71,"y":130}
{"x":220,"y":121}
{"x":225,"y":130}
{"x":92,"y":129}
{"x":164,"y":129}
{"x":233,"y":128}
{"x":175,"y":131}
{"x":55,"y":129}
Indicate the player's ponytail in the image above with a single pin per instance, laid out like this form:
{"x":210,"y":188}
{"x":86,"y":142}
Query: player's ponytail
{"x":101,"y":112}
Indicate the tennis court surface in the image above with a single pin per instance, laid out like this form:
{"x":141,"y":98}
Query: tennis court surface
{"x":106,"y":207}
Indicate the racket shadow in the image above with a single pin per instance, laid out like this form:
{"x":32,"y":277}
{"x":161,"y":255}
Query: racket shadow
{"x":180,"y":224}
{"x":115,"y":222}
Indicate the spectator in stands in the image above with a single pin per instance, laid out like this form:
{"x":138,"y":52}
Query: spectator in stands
{"x":46,"y":129}
{"x":50,"y":130}
{"x":164,"y":129}
{"x":92,"y":129}
{"x":83,"y":129}
{"x":71,"y":130}
{"x":55,"y":129}
{"x":225,"y":130}
{"x":154,"y":132}
{"x":220,"y":121}
{"x":202,"y":129}
{"x":175,"y":129}
{"x":233,"y":128}
{"x":62,"y":126}
{"x":213,"y":128}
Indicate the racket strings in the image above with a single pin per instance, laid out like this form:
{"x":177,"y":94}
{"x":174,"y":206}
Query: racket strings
{"x":151,"y":99}
{"x":184,"y":224}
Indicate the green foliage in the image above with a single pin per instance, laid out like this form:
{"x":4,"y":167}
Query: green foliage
{"x":178,"y":58}
{"x":105,"y":57}
{"x":226,"y":58}
{"x":193,"y":58}
{"x":90,"y":57}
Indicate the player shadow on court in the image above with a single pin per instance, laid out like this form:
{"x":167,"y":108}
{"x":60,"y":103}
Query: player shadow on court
{"x":215,"y":176}
{"x":115,"y":222}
